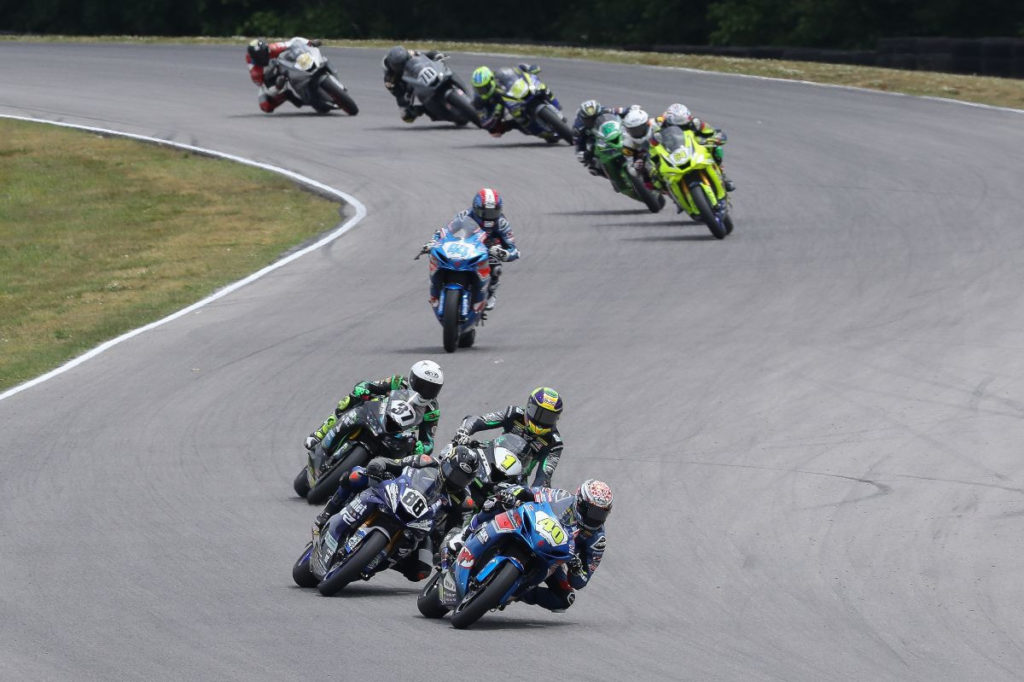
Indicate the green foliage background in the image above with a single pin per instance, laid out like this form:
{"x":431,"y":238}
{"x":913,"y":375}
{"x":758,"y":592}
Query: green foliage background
{"x":810,"y":23}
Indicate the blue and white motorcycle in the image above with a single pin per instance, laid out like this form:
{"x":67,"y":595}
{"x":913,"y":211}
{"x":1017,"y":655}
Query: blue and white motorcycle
{"x":459,"y":265}
{"x":514,"y":552}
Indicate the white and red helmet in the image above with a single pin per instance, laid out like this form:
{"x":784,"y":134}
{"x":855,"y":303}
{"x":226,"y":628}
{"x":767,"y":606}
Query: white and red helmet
{"x":486,"y":207}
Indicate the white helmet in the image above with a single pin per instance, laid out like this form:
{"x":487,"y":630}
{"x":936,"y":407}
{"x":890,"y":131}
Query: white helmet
{"x":677,"y":115}
{"x":636,"y":123}
{"x":426,"y":378}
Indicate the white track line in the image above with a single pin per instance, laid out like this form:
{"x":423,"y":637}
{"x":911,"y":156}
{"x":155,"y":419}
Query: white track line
{"x":300,"y":179}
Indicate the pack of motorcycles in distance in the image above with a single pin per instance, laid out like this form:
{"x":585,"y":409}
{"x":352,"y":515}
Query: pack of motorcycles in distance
{"x":666,"y":160}
{"x":677,"y":163}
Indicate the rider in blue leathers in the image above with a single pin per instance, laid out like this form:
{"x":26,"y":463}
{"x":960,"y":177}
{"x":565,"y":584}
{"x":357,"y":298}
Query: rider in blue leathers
{"x":593,"y":503}
{"x":486,"y":211}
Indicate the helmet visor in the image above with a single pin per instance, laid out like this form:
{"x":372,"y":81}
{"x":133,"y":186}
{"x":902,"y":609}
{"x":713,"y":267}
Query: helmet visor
{"x":592,"y":516}
{"x":454,"y":476}
{"x":541,"y":416}
{"x":484,"y":213}
{"x":428,"y":390}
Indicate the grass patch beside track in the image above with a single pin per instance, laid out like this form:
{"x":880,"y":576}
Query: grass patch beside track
{"x":101,"y":235}
{"x":1002,"y":92}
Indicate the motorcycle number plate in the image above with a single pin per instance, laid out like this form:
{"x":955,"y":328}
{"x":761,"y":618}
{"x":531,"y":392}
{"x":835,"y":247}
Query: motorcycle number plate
{"x":550,"y":529}
{"x":456,"y":250}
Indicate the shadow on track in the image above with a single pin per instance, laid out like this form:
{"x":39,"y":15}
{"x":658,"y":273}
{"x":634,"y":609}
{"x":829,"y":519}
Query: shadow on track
{"x":308,"y":113}
{"x":673,"y":238}
{"x":421,"y":128}
{"x":614,"y":211}
{"x":658,"y":223}
{"x":495,"y":622}
{"x":506,"y":145}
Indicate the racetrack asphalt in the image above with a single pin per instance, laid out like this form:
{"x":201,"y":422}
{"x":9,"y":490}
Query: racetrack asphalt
{"x":812,"y":428}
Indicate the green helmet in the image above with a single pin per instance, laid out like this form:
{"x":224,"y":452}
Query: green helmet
{"x":483,"y":81}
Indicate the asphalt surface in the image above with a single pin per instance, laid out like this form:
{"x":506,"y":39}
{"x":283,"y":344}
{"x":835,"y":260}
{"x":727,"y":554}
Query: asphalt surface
{"x":812,"y":428}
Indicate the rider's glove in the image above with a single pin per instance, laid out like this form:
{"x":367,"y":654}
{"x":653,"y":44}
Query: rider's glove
{"x":509,"y":497}
{"x":461,"y":436}
{"x":311,"y":441}
{"x":316,"y":42}
{"x":361,"y":393}
{"x":575,"y":565}
{"x":498,"y":252}
{"x":376,"y":468}
{"x":428,"y":247}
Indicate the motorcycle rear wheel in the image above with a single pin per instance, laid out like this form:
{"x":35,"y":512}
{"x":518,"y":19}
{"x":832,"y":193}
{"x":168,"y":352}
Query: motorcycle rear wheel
{"x":450,"y":320}
{"x":301,"y":573}
{"x":473,"y":607}
{"x":429,"y":601}
{"x":370,"y":547}
{"x":700,"y":200}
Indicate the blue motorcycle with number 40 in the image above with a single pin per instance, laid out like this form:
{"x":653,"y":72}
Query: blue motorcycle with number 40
{"x":514,"y":552}
{"x":460,"y":269}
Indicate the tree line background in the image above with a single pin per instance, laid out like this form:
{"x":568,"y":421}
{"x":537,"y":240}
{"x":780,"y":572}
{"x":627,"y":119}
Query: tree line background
{"x":837,"y":24}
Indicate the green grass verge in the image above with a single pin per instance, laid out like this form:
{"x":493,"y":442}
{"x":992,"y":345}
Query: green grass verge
{"x":1003,"y":92}
{"x":101,"y":235}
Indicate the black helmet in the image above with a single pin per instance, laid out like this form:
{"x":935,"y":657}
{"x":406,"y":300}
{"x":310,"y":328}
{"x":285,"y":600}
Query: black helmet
{"x":259,"y":52}
{"x":396,"y":59}
{"x":459,"y":468}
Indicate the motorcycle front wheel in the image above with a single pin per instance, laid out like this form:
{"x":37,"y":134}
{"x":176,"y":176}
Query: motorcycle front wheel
{"x":464,"y":106}
{"x":301,"y":483}
{"x":328,"y":483}
{"x":353,"y":566}
{"x":337,"y":94}
{"x":301,"y":573}
{"x":486,"y":597}
{"x":550,"y":116}
{"x":429,"y":601}
{"x":450,"y":320}
{"x":700,"y":200}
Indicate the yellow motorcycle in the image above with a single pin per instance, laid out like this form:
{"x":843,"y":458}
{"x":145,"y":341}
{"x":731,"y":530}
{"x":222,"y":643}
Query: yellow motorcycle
{"x":684,"y":169}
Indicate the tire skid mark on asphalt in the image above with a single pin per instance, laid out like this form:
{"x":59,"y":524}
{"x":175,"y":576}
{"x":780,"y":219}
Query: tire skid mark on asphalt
{"x":220,"y":293}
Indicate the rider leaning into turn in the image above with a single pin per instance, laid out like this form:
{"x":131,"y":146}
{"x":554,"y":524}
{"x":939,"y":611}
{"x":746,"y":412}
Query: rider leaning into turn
{"x":394,"y":67}
{"x":583,"y":131}
{"x":589,"y":511}
{"x":267,"y":76}
{"x":454,"y":473}
{"x":679,"y":115}
{"x":534,"y":423}
{"x":490,"y":88}
{"x":425,"y":377}
{"x":486,"y":211}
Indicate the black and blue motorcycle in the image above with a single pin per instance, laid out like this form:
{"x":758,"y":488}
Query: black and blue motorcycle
{"x":378,"y":529}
